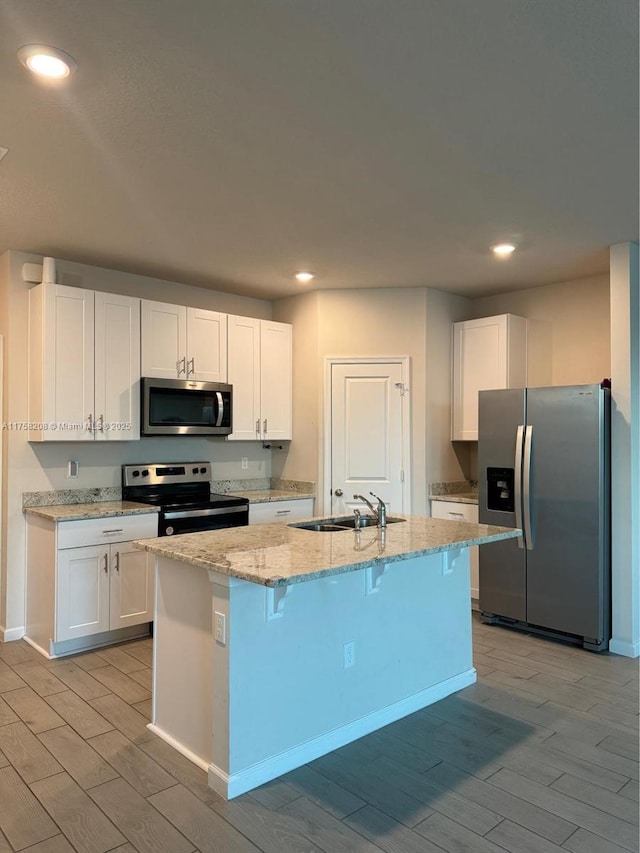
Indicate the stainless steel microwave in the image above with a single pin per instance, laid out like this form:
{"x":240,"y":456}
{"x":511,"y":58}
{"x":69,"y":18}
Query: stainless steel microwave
{"x":185,"y":407}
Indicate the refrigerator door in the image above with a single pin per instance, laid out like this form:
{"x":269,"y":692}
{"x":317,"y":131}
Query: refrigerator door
{"x":502,"y":564}
{"x":568,"y":560}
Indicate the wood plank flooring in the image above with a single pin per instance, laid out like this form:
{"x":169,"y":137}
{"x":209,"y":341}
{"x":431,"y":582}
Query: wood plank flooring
{"x":540,"y":756}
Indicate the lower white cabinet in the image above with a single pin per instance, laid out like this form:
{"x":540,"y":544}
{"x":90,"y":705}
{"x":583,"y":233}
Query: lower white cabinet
{"x":102,"y":588}
{"x":84,"y":595}
{"x":290,"y":510}
{"x":455,"y":511}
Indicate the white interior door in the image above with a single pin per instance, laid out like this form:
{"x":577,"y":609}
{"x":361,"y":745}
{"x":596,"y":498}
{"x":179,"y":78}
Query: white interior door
{"x":368,"y":443}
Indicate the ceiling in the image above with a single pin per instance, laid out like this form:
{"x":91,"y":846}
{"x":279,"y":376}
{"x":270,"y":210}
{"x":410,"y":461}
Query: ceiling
{"x":379,"y":143}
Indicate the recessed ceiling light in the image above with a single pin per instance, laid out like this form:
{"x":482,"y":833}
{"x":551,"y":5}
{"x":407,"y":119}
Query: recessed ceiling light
{"x":47,"y":61}
{"x":304,"y":276}
{"x":503,"y":250}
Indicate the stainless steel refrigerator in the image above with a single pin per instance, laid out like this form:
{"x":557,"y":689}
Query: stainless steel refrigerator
{"x":543,"y":466}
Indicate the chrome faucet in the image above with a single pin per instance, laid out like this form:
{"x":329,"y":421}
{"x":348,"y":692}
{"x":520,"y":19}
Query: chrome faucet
{"x":379,"y":513}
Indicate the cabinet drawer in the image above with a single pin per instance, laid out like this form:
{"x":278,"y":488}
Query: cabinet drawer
{"x":454,"y":511}
{"x":101,"y":531}
{"x":280,"y":511}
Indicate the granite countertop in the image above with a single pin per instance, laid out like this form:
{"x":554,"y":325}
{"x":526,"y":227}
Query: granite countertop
{"x":102,"y":509}
{"x":456,"y":491}
{"x":277,"y":555}
{"x":259,"y":496}
{"x":457,"y":497}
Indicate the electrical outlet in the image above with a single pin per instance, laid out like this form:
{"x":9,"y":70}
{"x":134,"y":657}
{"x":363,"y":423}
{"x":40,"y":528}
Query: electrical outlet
{"x":349,"y":654}
{"x":244,"y":462}
{"x":220,"y":627}
{"x":72,"y":469}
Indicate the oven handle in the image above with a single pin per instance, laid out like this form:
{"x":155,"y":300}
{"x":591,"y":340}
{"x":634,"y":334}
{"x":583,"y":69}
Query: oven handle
{"x":199,"y":513}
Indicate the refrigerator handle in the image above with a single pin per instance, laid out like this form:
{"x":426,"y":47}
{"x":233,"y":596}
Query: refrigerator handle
{"x":517,"y":467}
{"x":526,"y":487}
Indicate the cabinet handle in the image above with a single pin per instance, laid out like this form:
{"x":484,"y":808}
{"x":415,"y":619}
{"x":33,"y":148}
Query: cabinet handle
{"x":181,"y":361}
{"x":117,"y":561}
{"x":113,"y":531}
{"x":264,"y":427}
{"x":258,"y":427}
{"x":192,"y":370}
{"x":283,"y":511}
{"x":90,"y":422}
{"x":457,"y":515}
{"x":101,"y":423}
{"x":106,"y":564}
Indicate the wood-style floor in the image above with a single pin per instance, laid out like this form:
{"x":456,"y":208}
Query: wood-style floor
{"x":541,"y":755}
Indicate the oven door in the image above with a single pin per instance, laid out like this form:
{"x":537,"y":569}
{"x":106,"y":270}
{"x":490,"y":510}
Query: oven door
{"x":175,"y":522}
{"x":185,"y":407}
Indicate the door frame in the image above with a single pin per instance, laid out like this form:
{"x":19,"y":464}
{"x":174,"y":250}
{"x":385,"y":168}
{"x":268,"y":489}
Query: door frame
{"x":325,"y":468}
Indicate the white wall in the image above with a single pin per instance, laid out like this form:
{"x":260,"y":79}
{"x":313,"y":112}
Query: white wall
{"x":445,"y":460}
{"x":625,"y":449}
{"x":36,"y":467}
{"x":301,"y":458}
{"x":360,"y":323}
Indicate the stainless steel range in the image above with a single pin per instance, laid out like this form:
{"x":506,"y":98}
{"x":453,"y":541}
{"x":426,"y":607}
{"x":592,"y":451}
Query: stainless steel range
{"x":182,"y":490}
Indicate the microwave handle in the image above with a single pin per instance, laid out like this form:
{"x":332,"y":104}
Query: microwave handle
{"x":220,"y":409}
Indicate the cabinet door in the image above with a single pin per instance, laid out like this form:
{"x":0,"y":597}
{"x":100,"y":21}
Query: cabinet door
{"x":82,"y":592}
{"x":164,"y":340}
{"x":132,"y":585}
{"x":117,"y":367}
{"x":488,"y":353}
{"x":244,"y":375}
{"x":61,"y":392}
{"x":480,"y":363}
{"x":462,"y":512}
{"x":206,"y":345}
{"x":276,"y":380}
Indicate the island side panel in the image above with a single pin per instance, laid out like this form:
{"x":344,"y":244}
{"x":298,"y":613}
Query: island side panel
{"x":182,"y":670}
{"x":291,"y":698}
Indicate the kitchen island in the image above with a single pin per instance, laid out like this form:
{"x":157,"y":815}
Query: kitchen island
{"x":275,"y":644}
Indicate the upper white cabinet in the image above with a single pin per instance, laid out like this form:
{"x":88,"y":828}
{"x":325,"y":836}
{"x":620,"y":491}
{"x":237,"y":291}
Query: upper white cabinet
{"x":183,"y":343}
{"x":84,"y":365}
{"x":260,"y":370}
{"x":488,"y":353}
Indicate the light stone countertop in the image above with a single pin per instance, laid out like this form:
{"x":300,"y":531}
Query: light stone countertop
{"x":457,"y":497}
{"x":277,"y":555}
{"x":101,"y":509}
{"x":259,"y":496}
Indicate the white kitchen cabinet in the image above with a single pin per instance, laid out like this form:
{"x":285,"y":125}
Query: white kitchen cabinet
{"x":85,"y":595}
{"x":455,"y":511}
{"x":183,"y":343}
{"x":84,"y":365}
{"x":289,"y":510}
{"x":261,"y":372}
{"x":488,"y":353}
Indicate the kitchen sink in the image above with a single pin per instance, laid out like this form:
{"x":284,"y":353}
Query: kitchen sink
{"x":333,"y":525}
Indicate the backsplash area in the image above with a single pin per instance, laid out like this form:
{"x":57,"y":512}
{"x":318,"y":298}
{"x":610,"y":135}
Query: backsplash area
{"x":114,"y":493}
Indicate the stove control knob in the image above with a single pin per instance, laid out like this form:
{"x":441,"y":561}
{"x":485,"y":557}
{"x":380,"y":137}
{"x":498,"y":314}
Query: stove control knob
{"x":194,"y":471}
{"x":203,"y":470}
{"x":135,"y":473}
{"x":169,"y":531}
{"x":145,"y":473}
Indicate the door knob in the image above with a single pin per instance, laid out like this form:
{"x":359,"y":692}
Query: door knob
{"x":338,"y":493}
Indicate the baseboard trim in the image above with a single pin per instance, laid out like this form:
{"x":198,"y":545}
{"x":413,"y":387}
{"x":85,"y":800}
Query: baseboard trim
{"x":8,"y":635}
{"x":179,"y":747}
{"x":230,"y":786}
{"x":620,"y":647}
